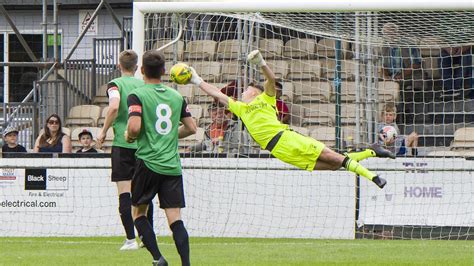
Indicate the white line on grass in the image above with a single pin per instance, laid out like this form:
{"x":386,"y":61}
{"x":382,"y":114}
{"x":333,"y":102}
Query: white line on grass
{"x":317,"y":243}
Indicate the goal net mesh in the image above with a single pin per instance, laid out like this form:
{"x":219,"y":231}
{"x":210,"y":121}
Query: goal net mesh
{"x":341,"y":75}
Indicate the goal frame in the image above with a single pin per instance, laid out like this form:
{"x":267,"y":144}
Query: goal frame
{"x":140,"y":8}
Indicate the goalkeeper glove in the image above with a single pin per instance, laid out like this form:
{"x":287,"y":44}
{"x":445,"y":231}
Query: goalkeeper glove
{"x":256,"y":58}
{"x":195,"y":78}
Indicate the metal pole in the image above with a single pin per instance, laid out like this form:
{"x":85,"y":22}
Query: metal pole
{"x":18,"y":34}
{"x":247,"y":38}
{"x":35,"y":110}
{"x":337,"y":86}
{"x":240,"y":55}
{"x":6,"y":74}
{"x":55,"y":23}
{"x":357,"y":78}
{"x":370,"y":100}
{"x":95,"y":85}
{"x":27,"y":64}
{"x":84,"y":31}
{"x":238,"y":82}
{"x":375,"y":70}
{"x":45,"y":29}
{"x":175,"y":27}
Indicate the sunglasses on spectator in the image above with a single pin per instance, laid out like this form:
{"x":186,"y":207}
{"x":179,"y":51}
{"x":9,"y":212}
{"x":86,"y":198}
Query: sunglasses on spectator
{"x":53,"y":122}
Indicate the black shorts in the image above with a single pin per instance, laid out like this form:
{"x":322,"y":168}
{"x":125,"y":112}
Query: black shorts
{"x":146,"y":184}
{"x":123,"y":163}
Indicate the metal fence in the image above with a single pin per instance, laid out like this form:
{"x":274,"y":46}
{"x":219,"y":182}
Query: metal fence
{"x":25,"y":119}
{"x":127,"y":32}
{"x":106,"y":56}
{"x":80,"y":76}
{"x":82,"y":80}
{"x":53,"y":98}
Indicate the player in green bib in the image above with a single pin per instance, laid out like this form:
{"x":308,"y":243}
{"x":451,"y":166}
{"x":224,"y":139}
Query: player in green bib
{"x":123,"y":153}
{"x":155,"y":112}
{"x":257,"y":110}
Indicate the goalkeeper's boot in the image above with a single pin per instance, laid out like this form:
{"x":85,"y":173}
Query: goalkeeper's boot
{"x":380,"y":182}
{"x":130,"y":244}
{"x":160,"y":262}
{"x":381,"y":152}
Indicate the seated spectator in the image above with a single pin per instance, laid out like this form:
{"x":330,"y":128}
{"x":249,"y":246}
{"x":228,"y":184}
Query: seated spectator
{"x":400,"y":143}
{"x":85,"y":138}
{"x":399,"y":62}
{"x":222,"y":129}
{"x":231,"y":89}
{"x":53,"y":140}
{"x":282,"y":108}
{"x":11,"y":146}
{"x":456,"y":64}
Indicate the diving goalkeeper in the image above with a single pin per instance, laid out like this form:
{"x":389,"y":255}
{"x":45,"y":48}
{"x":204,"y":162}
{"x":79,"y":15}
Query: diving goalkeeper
{"x":257,"y":111}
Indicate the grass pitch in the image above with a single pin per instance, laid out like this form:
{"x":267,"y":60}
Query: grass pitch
{"x":237,"y":251}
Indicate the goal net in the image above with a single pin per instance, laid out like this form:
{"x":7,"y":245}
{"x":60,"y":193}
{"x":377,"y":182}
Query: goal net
{"x":342,"y":73}
{"x":339,"y":72}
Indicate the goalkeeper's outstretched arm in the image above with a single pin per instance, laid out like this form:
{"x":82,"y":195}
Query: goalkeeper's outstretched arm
{"x":209,"y":89}
{"x":256,"y":58}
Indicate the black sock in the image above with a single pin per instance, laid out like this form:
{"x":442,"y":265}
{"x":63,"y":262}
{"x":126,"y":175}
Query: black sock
{"x":414,"y":151}
{"x":149,"y":216}
{"x":148,"y":236}
{"x":125,"y":210}
{"x":181,"y":240}
{"x":149,"y":213}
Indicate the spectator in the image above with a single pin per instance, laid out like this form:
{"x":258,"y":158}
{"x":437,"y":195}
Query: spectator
{"x":400,"y":62}
{"x":400,"y":143}
{"x":282,"y":108}
{"x":52,"y":139}
{"x":456,"y":64}
{"x":231,"y":89}
{"x":11,"y":146}
{"x":222,"y":128}
{"x":85,"y":138}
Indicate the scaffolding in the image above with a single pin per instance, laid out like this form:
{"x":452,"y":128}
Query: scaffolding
{"x":64,"y":83}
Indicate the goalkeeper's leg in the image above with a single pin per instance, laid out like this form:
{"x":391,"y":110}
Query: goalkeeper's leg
{"x":375,"y":150}
{"x":331,"y":160}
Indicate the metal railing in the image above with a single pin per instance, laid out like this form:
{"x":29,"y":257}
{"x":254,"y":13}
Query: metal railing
{"x":51,"y":97}
{"x":127,"y":32}
{"x":80,"y":76}
{"x":25,"y":120}
{"x":106,"y":55}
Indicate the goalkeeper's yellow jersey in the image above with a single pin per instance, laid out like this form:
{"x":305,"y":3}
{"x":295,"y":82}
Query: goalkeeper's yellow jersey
{"x":259,"y":117}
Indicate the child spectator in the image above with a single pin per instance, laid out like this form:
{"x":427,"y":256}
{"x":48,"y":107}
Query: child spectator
{"x":399,"y":144}
{"x":85,"y":138}
{"x":11,"y":146}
